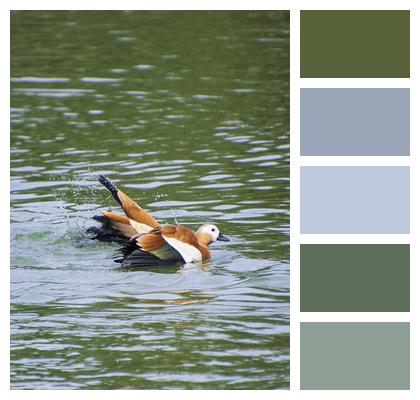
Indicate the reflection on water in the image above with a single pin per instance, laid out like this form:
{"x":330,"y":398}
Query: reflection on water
{"x":188,"y":113}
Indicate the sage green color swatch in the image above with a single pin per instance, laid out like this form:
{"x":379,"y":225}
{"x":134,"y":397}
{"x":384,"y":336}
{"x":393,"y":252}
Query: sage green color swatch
{"x":355,"y":355}
{"x":355,"y":44}
{"x":355,"y":278}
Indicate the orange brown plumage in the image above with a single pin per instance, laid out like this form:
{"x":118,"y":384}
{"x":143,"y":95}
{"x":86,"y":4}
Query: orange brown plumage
{"x":135,"y":212}
{"x":146,"y":240}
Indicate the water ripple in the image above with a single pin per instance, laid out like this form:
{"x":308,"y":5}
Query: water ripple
{"x":194,"y":136}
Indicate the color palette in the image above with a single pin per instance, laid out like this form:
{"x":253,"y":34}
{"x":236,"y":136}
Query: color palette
{"x":355,"y":277}
{"x":355,"y":355}
{"x":363,"y":203}
{"x":355,"y":44}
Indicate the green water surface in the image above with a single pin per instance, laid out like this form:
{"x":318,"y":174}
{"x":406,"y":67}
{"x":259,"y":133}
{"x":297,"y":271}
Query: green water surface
{"x":188,"y":112}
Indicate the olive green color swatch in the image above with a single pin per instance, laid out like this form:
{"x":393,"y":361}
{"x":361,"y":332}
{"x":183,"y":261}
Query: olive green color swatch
{"x":355,"y":44}
{"x":355,"y":355}
{"x":355,"y":277}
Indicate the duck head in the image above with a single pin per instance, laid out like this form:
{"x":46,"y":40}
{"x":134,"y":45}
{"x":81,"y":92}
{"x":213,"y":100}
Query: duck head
{"x":208,"y":233}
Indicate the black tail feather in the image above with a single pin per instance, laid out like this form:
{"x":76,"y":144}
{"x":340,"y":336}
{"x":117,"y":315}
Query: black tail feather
{"x":110,"y":186}
{"x":105,"y":233}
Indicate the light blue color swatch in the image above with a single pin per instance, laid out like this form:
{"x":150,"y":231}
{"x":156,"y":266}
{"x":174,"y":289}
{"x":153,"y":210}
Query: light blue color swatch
{"x":355,"y":200}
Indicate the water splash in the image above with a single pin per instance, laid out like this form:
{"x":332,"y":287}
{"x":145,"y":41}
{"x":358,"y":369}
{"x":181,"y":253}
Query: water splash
{"x":78,"y":198}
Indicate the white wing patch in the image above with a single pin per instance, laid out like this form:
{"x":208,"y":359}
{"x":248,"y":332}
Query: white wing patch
{"x":140,"y":228}
{"x":189,"y":253}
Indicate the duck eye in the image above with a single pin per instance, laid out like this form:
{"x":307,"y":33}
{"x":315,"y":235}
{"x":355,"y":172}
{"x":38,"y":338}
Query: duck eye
{"x":212,"y":229}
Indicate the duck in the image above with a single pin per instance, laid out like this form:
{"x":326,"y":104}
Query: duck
{"x":146,"y":242}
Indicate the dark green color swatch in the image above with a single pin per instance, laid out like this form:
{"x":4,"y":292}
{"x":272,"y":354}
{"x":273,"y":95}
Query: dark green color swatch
{"x":354,"y":277}
{"x":355,"y":44}
{"x":355,"y":355}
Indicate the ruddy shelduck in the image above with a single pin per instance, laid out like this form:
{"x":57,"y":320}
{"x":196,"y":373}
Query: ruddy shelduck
{"x":146,"y":242}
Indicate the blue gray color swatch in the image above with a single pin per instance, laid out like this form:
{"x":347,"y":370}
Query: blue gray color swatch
{"x":355,"y":122}
{"x":355,"y":355}
{"x":355,"y":200}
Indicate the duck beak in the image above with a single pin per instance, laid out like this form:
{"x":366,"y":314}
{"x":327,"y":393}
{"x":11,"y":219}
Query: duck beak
{"x":222,"y":238}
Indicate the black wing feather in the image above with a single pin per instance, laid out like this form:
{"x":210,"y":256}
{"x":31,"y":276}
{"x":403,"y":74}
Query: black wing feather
{"x":105,"y":232}
{"x":139,"y":258}
{"x":111,"y":187}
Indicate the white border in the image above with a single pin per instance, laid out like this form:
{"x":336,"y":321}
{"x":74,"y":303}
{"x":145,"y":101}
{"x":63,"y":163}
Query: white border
{"x":296,"y":83}
{"x":4,"y":198}
{"x":294,"y":199}
{"x":294,"y":5}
